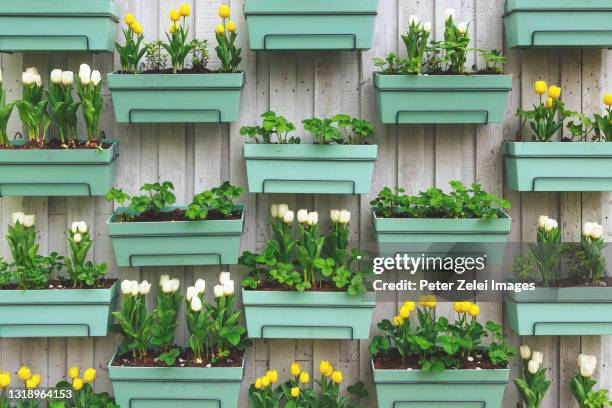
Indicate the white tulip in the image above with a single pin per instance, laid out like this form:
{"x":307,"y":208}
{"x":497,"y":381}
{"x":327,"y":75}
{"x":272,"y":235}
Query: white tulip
{"x":85,"y":70}
{"x":597,"y":231}
{"x":289,"y":217}
{"x":550,"y":225}
{"x":334,"y":215}
{"x":96,"y":77}
{"x":67,"y":77}
{"x":302,"y":216}
{"x":192,"y":292}
{"x":144,"y":288}
{"x":18,"y":216}
{"x":218,"y":291}
{"x":176,"y":284}
{"x":587,"y":365}
{"x":56,"y":76}
{"x":228,"y":288}
{"x":274,"y":210}
{"x":134,"y":288}
{"x":32,"y":70}
{"x":587,"y":229}
{"x":200,"y":286}
{"x":427,"y":27}
{"x":462,"y":27}
{"x":525,"y":352}
{"x":224,"y":277}
{"x":313,"y":218}
{"x":414,"y":20}
{"x":27,"y":78}
{"x":345,"y":217}
{"x":38,"y":80}
{"x":29,"y":220}
{"x":126,"y":287}
{"x":533,"y":366}
{"x":196,"y":304}
{"x":82,"y":227}
{"x":542,"y":221}
{"x":75,"y":227}
{"x":449,"y":13}
{"x":282,"y":209}
{"x":538,"y":357}
{"x":163,"y":278}
{"x":84,"y":79}
{"x":167,"y":286}
{"x":77,"y":238}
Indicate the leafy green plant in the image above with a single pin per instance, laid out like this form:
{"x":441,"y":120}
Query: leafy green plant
{"x":155,"y":57}
{"x":598,"y":128}
{"x":89,"y":89}
{"x":160,"y":195}
{"x":228,"y":53}
{"x":199,"y":54}
{"x":355,"y":131}
{"x":461,"y":202}
{"x":62,"y":106}
{"x":274,"y":126}
{"x":5,"y":113}
{"x":219,"y":199}
{"x":391,"y":64}
{"x":533,"y":385}
{"x":494,"y":61}
{"x":33,"y":107}
{"x":82,"y":273}
{"x":132,"y":52}
{"x":322,"y":130}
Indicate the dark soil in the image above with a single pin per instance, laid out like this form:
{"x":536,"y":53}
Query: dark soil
{"x":393,"y":361}
{"x":186,"y":359}
{"x":439,"y":216}
{"x":574,"y":282}
{"x":55,"y":144}
{"x":66,"y":284}
{"x":191,"y":70}
{"x":276,"y":286}
{"x":179,"y":215}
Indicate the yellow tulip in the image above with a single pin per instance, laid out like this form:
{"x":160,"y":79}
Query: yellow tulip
{"x":89,"y":375}
{"x":5,"y":380}
{"x":137,"y":27}
{"x":77,"y":384}
{"x":295,"y":392}
{"x":540,"y":87}
{"x":474,"y":310}
{"x":173,"y":28}
{"x":462,"y":307}
{"x":73,"y":372}
{"x":404,"y":312}
{"x":185,"y":10}
{"x":24,"y":373}
{"x":224,"y":11}
{"x":129,"y":19}
{"x":337,"y":377}
{"x":231,"y":26}
{"x":549,"y":103}
{"x":175,"y":15}
{"x":265,"y":381}
{"x":398,"y":321}
{"x":220,"y":28}
{"x":428,"y":301}
{"x":33,"y":382}
{"x":304,"y":377}
{"x":410,"y":305}
{"x":554,"y":92}
{"x":258,"y":384}
{"x":295,"y":369}
{"x":272,"y":375}
{"x":326,"y":368}
{"x":607,"y":99}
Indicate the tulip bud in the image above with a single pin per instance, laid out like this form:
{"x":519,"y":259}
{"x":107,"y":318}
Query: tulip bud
{"x":313,"y":218}
{"x":28,"y":221}
{"x":167,"y":286}
{"x":542,"y":221}
{"x":449,"y":13}
{"x":126,"y":287}
{"x":228,"y":288}
{"x":231,"y":26}
{"x":85,"y":74}
{"x":96,"y":77}
{"x":427,"y":27}
{"x":525,"y":352}
{"x":191,"y":293}
{"x":18,"y":217}
{"x":462,"y":27}
{"x":538,"y":357}
{"x":414,"y":20}
{"x":607,"y":98}
{"x":282,"y":209}
{"x":302,"y":216}
{"x":587,"y":365}
{"x":163,"y":278}
{"x":144,"y":288}
{"x":82,"y":227}
{"x":77,"y":238}
{"x":134,"y":288}
{"x":218,"y":291}
{"x":200,"y":286}
{"x":196,"y":304}
{"x":533,"y":366}
{"x":220,"y":28}
{"x":597,"y":232}
{"x":289,"y":217}
{"x":56,"y":76}
{"x":345,"y":217}
{"x":274,"y":210}
{"x":75,"y":227}
{"x":550,"y":225}
{"x":224,"y":277}
{"x":67,"y":77}
{"x":27,"y":78}
{"x":334,"y":215}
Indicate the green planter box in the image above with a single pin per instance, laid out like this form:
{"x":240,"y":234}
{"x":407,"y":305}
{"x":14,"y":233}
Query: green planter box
{"x":558,"y":166}
{"x":308,"y":315}
{"x":165,"y":387}
{"x":169,"y":243}
{"x":559,"y":23}
{"x":58,"y":172}
{"x":63,"y":26}
{"x":180,"y":98}
{"x":310,"y":25}
{"x":576,"y":311}
{"x":310,"y":168}
{"x":443,"y":236}
{"x":57,"y":313}
{"x":448,"y":389}
{"x":441,"y":98}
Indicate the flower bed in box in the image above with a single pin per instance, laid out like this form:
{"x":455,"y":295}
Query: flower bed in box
{"x":312,"y":278}
{"x":37,"y":301}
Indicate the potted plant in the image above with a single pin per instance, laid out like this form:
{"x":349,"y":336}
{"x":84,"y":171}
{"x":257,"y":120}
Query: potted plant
{"x":77,"y":392}
{"x":436,"y":361}
{"x":67,"y":26}
{"x":314,"y":279}
{"x":571,"y":23}
{"x":340,"y":161}
{"x":559,"y":303}
{"x":65,"y":165}
{"x":532,"y":386}
{"x":151,"y":231}
{"x":432,"y":85}
{"x":581,"y":386}
{"x":150,"y":369}
{"x":36,"y":301}
{"x":179,"y":94}
{"x":312,"y":25}
{"x":579,"y":162}
{"x":465,"y":220}
{"x":295,"y":393}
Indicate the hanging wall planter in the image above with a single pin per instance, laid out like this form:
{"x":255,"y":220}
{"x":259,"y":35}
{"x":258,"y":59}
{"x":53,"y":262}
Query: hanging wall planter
{"x":165,"y":243}
{"x":187,"y":387}
{"x":309,"y":168}
{"x":58,"y":172}
{"x":477,"y":99}
{"x":570,"y":311}
{"x":313,"y":315}
{"x":558,"y":166}
{"x":62,"y":26}
{"x":447,"y":389}
{"x":56,"y":312}
{"x":567,"y":23}
{"x":311,"y":25}
{"x":176,"y":98}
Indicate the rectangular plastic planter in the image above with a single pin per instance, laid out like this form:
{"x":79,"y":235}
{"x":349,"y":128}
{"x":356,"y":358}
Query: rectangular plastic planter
{"x":560,"y":311}
{"x":178,"y":98}
{"x":310,"y":25}
{"x":168,"y":243}
{"x":558,"y":166}
{"x":308,"y":315}
{"x":426,"y":99}
{"x":560,"y":23}
{"x":56,"y":312}
{"x":58,"y":172}
{"x":310,"y":168}
{"x":63,"y":26}
{"x":447,"y":389}
{"x":164,"y":387}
